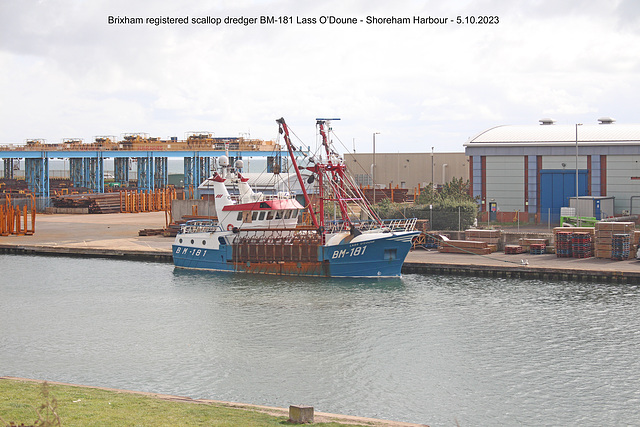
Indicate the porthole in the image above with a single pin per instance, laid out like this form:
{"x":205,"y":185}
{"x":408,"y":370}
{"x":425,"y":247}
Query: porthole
{"x":180,"y":240}
{"x":192,"y":241}
{"x":204,"y":242}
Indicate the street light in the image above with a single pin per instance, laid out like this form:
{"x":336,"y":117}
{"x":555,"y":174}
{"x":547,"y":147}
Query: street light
{"x":373,"y":170}
{"x":432,"y":166}
{"x":577,"y":188}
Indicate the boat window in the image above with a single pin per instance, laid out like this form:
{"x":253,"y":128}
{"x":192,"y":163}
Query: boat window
{"x":239,"y":218}
{"x":287,"y":214}
{"x":222,"y":241}
{"x":269,"y":215}
{"x":204,"y":242}
{"x":254,"y":215}
{"x":279,"y":215}
{"x":294,"y":213}
{"x":261,"y":216}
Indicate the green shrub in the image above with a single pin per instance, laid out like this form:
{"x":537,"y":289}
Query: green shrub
{"x":450,"y":207}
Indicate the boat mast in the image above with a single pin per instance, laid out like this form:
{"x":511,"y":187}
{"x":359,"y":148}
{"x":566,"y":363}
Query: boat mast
{"x":285,"y":131}
{"x":345,"y":183}
{"x":337,"y":179}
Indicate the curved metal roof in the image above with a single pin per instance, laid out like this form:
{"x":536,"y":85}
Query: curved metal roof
{"x":558,"y":134}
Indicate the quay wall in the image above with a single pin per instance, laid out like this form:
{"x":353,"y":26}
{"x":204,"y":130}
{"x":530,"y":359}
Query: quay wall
{"x":156,"y":256}
{"x":459,"y":265}
{"x":523,"y":272}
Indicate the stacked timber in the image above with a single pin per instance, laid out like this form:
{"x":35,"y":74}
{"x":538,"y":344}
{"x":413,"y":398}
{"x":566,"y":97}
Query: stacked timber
{"x":465,"y":247}
{"x":491,"y":237}
{"x":171,"y":230}
{"x":95,"y":203}
{"x":151,"y":232}
{"x":616,"y":240}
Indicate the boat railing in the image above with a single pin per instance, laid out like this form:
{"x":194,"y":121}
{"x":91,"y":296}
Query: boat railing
{"x":200,"y":226}
{"x":404,"y":224}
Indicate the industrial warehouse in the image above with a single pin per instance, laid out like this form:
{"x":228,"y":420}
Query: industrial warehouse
{"x":531,"y":169}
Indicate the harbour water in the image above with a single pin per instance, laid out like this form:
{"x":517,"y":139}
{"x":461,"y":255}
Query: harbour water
{"x":437,"y":350}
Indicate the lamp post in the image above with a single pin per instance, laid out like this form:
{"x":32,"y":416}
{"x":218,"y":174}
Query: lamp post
{"x":432,"y":166}
{"x":373,"y":171}
{"x":577,"y":187}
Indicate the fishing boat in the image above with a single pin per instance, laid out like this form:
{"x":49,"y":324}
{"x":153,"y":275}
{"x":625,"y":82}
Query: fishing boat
{"x":276,"y":234}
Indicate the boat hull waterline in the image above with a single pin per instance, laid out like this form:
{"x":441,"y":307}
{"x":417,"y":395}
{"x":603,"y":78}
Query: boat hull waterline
{"x":380,"y":257}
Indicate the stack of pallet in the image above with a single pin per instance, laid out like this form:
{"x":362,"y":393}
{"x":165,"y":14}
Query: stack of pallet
{"x":564,"y":237}
{"x":563,"y":244}
{"x":526,"y":243}
{"x":491,"y":237}
{"x":512,"y":249}
{"x":581,"y":245}
{"x":604,"y":238}
{"x":620,"y":245}
{"x":537,"y":248}
{"x":464,"y":247}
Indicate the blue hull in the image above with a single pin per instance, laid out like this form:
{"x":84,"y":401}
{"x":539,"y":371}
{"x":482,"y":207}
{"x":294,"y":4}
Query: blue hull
{"x":382,"y":257}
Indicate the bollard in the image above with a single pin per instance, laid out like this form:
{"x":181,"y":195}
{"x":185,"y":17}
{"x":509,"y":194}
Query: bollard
{"x":301,"y":414}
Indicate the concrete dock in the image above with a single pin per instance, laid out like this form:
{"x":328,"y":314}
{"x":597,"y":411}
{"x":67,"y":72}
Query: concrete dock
{"x":116,"y":236}
{"x":106,"y":235}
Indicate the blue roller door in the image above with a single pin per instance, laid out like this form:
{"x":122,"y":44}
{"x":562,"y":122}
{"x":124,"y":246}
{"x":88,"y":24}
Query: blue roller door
{"x":556,"y":187}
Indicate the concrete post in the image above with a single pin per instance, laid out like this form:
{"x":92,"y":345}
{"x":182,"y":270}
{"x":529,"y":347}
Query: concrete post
{"x":301,"y":414}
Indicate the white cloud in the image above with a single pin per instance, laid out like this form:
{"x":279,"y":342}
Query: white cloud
{"x":66,"y":72}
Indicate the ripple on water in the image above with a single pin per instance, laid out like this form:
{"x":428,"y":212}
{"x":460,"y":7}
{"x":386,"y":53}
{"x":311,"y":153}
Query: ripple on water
{"x":425,"y":349}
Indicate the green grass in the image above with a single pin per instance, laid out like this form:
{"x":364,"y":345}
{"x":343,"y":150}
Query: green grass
{"x":81,"y":406}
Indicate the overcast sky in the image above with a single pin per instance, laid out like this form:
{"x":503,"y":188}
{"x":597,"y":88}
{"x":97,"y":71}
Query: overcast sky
{"x":65,"y":72}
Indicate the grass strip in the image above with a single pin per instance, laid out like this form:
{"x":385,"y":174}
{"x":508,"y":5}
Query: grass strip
{"x":20,"y":402}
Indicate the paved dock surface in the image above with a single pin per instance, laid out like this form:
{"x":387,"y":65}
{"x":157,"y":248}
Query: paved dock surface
{"x":116,"y":235}
{"x":95,"y":234}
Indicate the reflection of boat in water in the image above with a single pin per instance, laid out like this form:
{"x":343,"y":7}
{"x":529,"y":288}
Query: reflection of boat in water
{"x":255,"y":233}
